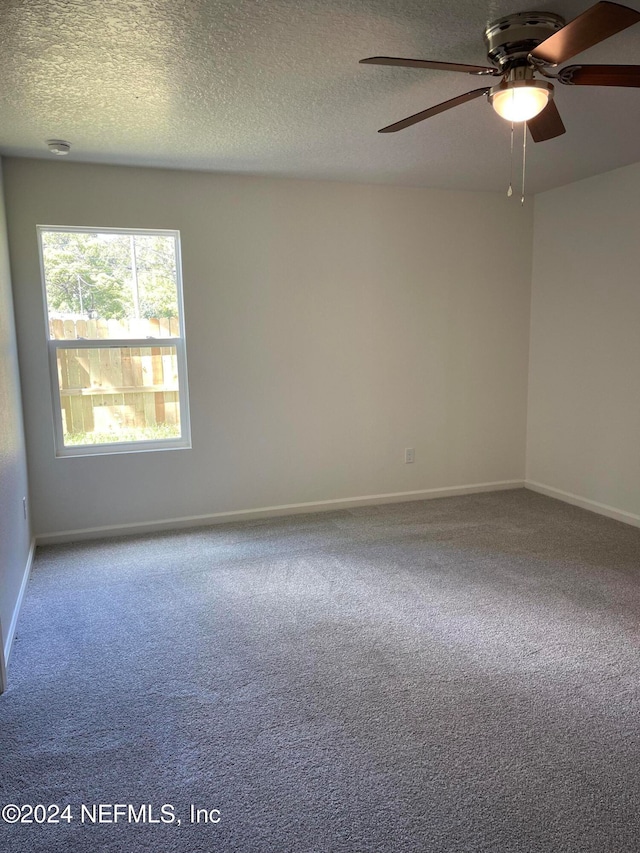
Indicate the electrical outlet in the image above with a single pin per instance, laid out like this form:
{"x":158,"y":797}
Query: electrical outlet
{"x":409,"y":455}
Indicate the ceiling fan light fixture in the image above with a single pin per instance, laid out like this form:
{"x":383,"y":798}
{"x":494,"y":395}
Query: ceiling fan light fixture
{"x":521,"y":100}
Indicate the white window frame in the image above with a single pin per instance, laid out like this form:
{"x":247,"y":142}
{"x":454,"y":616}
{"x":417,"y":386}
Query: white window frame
{"x":184,"y":440}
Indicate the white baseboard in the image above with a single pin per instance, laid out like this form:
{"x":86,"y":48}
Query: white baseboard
{"x":585,"y":503}
{"x":271,"y":512}
{"x":13,"y":625}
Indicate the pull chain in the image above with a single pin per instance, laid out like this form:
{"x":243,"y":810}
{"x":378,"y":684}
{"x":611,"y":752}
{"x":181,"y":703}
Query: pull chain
{"x":510,"y":190}
{"x":524,"y":157}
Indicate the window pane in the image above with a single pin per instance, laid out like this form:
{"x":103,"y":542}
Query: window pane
{"x":110,"y":285}
{"x":116,"y":394}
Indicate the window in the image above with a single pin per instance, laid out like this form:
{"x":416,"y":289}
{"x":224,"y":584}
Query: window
{"x":115,"y":328}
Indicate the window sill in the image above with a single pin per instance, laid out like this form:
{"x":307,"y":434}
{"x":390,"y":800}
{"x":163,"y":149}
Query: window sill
{"x":120,"y":448}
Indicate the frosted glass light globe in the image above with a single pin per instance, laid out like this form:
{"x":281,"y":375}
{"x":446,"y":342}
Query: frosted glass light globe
{"x":521,"y":101}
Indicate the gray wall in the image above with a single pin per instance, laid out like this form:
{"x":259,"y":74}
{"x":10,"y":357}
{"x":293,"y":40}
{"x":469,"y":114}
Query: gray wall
{"x":14,"y":529}
{"x":584,"y":397}
{"x":329,"y":326}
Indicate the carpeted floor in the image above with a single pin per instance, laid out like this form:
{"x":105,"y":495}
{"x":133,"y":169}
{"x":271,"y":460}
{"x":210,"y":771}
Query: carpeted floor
{"x":439,"y":676}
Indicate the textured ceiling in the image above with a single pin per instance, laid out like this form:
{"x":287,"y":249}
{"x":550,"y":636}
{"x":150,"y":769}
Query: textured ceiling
{"x":275,"y":88}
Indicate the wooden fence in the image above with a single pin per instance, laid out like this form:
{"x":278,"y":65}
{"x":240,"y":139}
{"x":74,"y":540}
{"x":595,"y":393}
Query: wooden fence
{"x":72,"y":329}
{"x":118,"y":390}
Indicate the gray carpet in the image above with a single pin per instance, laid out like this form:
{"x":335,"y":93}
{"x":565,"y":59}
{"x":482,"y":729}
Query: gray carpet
{"x":442,"y":676}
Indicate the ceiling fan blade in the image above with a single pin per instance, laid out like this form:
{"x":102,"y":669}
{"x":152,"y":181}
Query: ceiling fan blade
{"x":427,"y":63}
{"x":590,"y":28}
{"x":600,"y":75}
{"x":547,"y":124}
{"x":432,"y":111}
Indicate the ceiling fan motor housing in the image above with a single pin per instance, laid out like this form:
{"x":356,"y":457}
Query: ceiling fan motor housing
{"x":511,"y":39}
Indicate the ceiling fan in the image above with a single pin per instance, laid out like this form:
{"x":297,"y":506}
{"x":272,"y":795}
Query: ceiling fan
{"x":523,"y":45}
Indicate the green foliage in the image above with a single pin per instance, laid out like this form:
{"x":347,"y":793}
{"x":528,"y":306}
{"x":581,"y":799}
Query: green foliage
{"x":156,"y":267}
{"x":147,"y":433}
{"x":92,"y":274}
